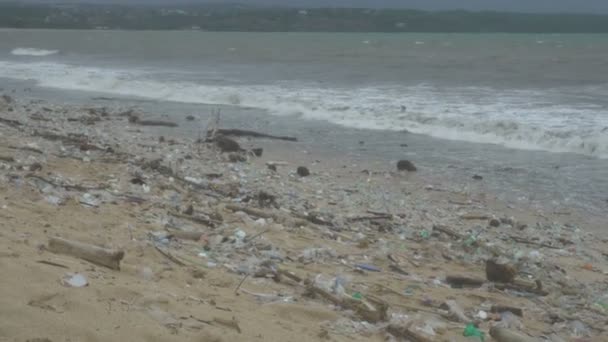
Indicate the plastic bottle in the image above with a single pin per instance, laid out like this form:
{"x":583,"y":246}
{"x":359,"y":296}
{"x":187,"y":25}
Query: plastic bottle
{"x":471,"y":331}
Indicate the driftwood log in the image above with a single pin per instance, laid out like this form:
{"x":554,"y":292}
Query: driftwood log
{"x":26,"y":148}
{"x":156,"y":123}
{"x":186,"y":235}
{"x":281,"y":218}
{"x":7,"y":159}
{"x":505,"y":335}
{"x":246,"y":133}
{"x":447,"y":231}
{"x":457,"y":281}
{"x":371,"y":309}
{"x":504,"y":308}
{"x":407,"y":333}
{"x":9,"y":122}
{"x":95,"y":254}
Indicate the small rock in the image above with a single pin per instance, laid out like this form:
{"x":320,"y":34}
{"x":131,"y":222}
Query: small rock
{"x":500,"y":271}
{"x":7,"y":99}
{"x":403,"y":145}
{"x":190,"y":118}
{"x":236,"y":158}
{"x":494,"y":222}
{"x":137,"y":181}
{"x":508,"y":220}
{"x":35,"y":167}
{"x":266,"y":199}
{"x":226,"y":144}
{"x":197,"y":273}
{"x":272,"y":167}
{"x":133,"y":118}
{"x":257,"y":151}
{"x":406,"y":165}
{"x":161,"y":139}
{"x":361,"y":142}
{"x":477,"y":177}
{"x":303,"y":171}
{"x":189,"y":210}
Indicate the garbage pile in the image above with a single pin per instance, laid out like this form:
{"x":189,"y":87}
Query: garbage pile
{"x":393,"y":265}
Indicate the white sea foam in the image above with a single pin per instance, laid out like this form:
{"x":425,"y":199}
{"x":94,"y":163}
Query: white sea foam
{"x":522,"y":119}
{"x":33,"y":52}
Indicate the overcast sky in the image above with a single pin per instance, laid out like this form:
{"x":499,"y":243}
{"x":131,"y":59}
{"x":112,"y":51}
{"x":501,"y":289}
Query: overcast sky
{"x":580,"y":6}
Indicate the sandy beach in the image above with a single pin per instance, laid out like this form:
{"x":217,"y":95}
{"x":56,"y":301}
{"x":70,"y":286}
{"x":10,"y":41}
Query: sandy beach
{"x":230,"y":246}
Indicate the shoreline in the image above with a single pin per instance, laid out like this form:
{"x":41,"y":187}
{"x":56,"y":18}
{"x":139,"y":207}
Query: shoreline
{"x":549,"y":182}
{"x":117,"y":185}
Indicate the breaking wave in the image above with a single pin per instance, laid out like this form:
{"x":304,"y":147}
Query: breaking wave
{"x":522,"y":119}
{"x":33,"y":52}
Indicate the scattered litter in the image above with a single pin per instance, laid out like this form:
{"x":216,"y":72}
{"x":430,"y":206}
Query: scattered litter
{"x":75,"y":280}
{"x":472,"y":331}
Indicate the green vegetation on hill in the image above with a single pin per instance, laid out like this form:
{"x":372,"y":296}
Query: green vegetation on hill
{"x":243,"y":18}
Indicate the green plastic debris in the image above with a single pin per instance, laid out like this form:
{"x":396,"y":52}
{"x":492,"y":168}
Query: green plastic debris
{"x":357,"y":296}
{"x":472,"y":239}
{"x":601,"y":307}
{"x":471,"y":330}
{"x":424,"y":234}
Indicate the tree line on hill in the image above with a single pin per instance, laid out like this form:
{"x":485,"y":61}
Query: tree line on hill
{"x":277,"y":19}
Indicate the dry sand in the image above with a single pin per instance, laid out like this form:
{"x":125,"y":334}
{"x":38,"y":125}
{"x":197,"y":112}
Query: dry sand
{"x":153,"y":298}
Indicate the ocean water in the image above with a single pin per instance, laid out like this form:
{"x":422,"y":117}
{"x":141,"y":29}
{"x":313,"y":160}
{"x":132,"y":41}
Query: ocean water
{"x":537,"y":101}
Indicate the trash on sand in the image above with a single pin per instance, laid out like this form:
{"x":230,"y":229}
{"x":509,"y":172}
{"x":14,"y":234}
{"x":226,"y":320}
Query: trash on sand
{"x":471,"y":331}
{"x":75,"y":280}
{"x":368,"y":267}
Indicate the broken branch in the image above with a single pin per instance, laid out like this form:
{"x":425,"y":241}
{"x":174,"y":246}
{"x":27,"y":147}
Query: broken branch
{"x":246,"y":133}
{"x":95,"y":254}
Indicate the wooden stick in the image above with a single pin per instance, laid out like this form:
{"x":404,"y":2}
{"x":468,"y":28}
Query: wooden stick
{"x":504,"y":308}
{"x":447,"y":231}
{"x":169,"y":256}
{"x":251,"y":211}
{"x":95,"y":254}
{"x":9,"y":122}
{"x":245,"y":133}
{"x":184,"y":235}
{"x":236,"y":290}
{"x":51,"y":263}
{"x":474,"y":217}
{"x":369,"y":218}
{"x":68,"y":187}
{"x":156,"y":123}
{"x":26,"y":148}
{"x":234,"y":324}
{"x":249,"y":239}
{"x":196,"y":219}
{"x":267,"y":215}
{"x":527,"y":242}
{"x":523,"y":286}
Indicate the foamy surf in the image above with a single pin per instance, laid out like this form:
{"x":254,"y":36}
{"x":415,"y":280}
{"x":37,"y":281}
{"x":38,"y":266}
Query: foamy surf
{"x":33,"y":52}
{"x":523,"y":119}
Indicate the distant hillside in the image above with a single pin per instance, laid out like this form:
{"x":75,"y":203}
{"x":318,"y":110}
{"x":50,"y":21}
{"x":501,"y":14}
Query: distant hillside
{"x":522,"y":6}
{"x":251,"y":18}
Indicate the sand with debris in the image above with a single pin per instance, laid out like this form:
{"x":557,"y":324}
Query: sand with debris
{"x":340,"y":255}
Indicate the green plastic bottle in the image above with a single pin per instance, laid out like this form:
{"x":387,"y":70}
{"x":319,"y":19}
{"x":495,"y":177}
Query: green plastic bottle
{"x":471,"y":331}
